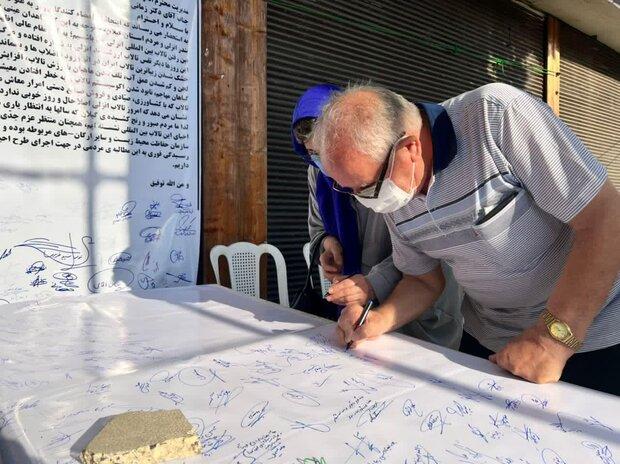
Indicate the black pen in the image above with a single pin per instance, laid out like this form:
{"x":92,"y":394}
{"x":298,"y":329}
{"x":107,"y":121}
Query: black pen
{"x":361,"y":320}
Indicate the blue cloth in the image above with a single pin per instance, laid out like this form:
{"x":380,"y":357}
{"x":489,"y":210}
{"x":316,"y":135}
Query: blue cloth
{"x":339,"y":217}
{"x":442,"y":134}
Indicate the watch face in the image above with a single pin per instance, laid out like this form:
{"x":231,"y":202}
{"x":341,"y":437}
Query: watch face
{"x":559,"y":330}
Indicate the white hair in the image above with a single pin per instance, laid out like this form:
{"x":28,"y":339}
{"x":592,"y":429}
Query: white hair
{"x":369,"y":127}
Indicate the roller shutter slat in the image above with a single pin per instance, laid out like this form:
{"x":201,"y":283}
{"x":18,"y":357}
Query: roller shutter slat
{"x":590,"y":95}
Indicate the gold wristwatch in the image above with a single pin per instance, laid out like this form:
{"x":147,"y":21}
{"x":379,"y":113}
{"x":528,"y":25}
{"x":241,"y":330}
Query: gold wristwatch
{"x":560,"y":331}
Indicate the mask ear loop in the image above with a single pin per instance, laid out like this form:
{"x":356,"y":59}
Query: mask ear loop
{"x":411,"y":187}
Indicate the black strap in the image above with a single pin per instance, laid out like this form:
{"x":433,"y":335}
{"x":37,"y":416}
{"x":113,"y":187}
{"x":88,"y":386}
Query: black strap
{"x":314,"y":254}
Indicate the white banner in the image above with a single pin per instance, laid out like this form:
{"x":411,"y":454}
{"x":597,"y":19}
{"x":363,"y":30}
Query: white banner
{"x":99,"y":145}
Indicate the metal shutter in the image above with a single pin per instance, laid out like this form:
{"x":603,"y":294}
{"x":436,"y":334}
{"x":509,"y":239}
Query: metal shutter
{"x":339,"y":41}
{"x":590,"y":95}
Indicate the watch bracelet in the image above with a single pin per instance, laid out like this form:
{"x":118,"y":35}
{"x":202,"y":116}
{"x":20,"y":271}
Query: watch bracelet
{"x":572,"y":341}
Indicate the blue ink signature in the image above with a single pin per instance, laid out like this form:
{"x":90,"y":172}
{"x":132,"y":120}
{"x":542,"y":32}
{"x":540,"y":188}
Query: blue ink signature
{"x":38,"y":281}
{"x":433,"y":421}
{"x":146,"y":263}
{"x":98,"y":389}
{"x":301,"y":398}
{"x":422,"y":456}
{"x":181,"y":203}
{"x":498,"y":422}
{"x":179,"y":277}
{"x":409,"y":408}
{"x":150,"y":234}
{"x":549,"y":456}
{"x":477,"y":432}
{"x":255,"y":414}
{"x":372,"y":413}
{"x":596,"y":423}
{"x":66,"y":282}
{"x":223,"y":398}
{"x":115,"y":279}
{"x":144,"y":387}
{"x":527,"y":433}
{"x":213,"y":440}
{"x":162,"y":376}
{"x":176,"y":256}
{"x":319,"y":427}
{"x":562,"y":426}
{"x":122,"y":257}
{"x":197,"y":376}
{"x":174,"y":397}
{"x":458,"y":409}
{"x":535,"y":401}
{"x":125,"y":213}
{"x":512,"y":405}
{"x":145,"y":281}
{"x":468,"y":455}
{"x":490,"y":385}
{"x":66,"y":255}
{"x":602,"y":451}
{"x":36,"y":267}
{"x":185,"y":226}
{"x":153,"y":211}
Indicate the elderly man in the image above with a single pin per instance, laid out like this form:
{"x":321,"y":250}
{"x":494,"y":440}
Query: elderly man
{"x":492,"y":183}
{"x":358,"y":244}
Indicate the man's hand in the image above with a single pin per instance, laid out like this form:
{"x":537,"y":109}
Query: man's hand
{"x":353,"y":290}
{"x":376,"y":324}
{"x":331,"y":258}
{"x":534,"y":355}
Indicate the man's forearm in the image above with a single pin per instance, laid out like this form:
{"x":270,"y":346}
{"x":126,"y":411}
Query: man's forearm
{"x":592,"y":265}
{"x":411,"y":297}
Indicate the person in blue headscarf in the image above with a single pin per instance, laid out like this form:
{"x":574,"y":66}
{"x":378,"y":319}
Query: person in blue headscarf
{"x":356,"y":253}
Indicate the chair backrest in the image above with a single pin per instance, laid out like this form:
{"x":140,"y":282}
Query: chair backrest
{"x":243,"y":260}
{"x":325,"y":283}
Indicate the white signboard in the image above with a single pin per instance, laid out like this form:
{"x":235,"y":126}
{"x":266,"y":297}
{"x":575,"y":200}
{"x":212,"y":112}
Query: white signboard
{"x":99,"y":146}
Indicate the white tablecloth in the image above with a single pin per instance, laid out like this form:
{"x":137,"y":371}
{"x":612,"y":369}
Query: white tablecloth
{"x":263,"y":384}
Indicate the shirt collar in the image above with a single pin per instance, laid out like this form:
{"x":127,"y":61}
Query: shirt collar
{"x":442,"y":134}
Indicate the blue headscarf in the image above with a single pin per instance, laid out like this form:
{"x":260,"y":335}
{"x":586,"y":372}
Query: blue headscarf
{"x":339,"y":217}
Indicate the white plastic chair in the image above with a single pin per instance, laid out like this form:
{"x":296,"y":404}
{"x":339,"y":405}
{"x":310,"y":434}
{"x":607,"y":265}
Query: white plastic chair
{"x":244,"y":267}
{"x":325,"y":283}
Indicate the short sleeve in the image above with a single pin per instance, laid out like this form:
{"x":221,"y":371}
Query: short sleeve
{"x":555,"y":167}
{"x":407,"y":258}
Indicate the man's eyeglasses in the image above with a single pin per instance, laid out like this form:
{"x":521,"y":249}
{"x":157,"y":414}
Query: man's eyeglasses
{"x":372,"y":191}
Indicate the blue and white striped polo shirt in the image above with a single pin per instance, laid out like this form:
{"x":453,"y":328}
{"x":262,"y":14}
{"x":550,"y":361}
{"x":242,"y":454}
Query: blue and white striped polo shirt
{"x":497,"y":145}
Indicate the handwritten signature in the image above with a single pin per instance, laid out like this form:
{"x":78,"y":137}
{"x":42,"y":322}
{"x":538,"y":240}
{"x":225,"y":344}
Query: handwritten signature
{"x":434,"y":421}
{"x":117,"y":278}
{"x":125,"y":213}
{"x":64,"y":254}
{"x":150,"y":234}
{"x":185,"y":226}
{"x":176,"y":256}
{"x":181,"y":204}
{"x":152,"y":211}
{"x":122,"y":257}
{"x":255,"y":414}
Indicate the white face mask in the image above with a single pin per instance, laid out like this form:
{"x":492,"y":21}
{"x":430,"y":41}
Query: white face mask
{"x":391,"y":197}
